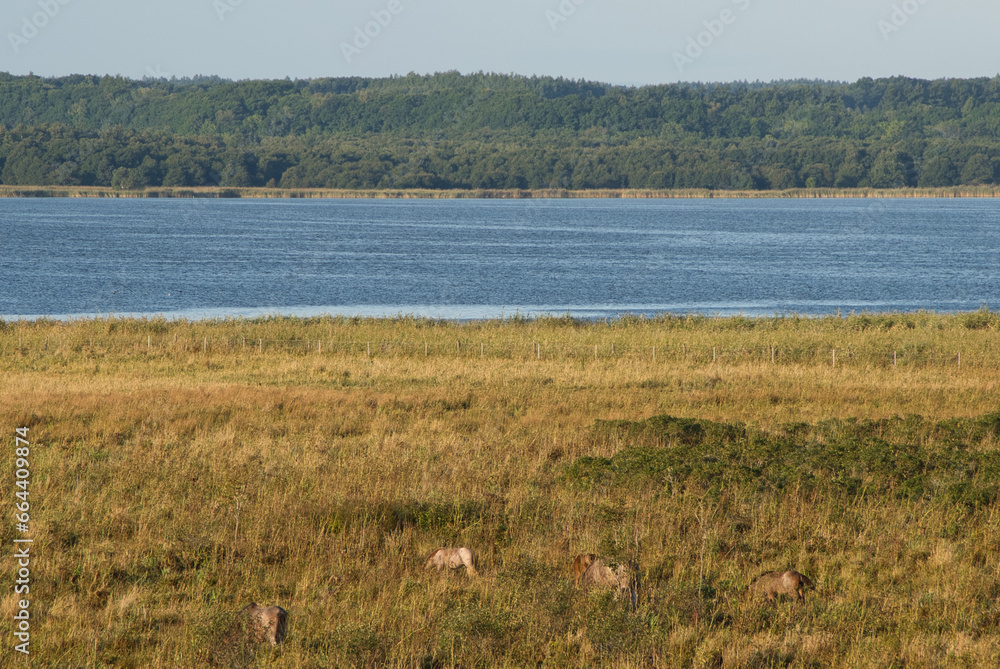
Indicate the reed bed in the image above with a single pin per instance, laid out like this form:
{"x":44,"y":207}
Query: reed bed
{"x":181,"y":469}
{"x":223,"y":192}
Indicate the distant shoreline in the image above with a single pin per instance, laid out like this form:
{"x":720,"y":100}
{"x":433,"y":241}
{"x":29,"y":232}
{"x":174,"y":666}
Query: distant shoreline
{"x":971,"y":319}
{"x":428,"y":194}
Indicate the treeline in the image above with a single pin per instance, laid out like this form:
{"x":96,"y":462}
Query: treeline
{"x":497,"y":131}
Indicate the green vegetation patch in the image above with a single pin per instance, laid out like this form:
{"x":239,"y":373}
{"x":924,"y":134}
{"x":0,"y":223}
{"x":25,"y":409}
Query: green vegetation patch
{"x":907,"y":457}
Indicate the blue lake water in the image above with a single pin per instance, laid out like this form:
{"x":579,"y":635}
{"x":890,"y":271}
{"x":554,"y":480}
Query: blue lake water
{"x":491,"y":258}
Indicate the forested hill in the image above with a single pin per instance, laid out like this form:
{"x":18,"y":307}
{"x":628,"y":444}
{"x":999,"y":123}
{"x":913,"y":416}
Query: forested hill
{"x":497,"y":131}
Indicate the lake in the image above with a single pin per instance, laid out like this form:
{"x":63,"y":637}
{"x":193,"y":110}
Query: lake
{"x":466,"y":259}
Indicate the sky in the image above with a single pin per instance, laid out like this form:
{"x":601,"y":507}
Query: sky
{"x":630,"y":42}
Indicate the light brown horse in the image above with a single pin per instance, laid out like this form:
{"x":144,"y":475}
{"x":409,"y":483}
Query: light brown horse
{"x":265,"y":623}
{"x":453,"y":558}
{"x":623,"y":578}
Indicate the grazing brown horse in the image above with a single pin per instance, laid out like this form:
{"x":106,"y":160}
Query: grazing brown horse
{"x":775,"y":583}
{"x":580,"y":564}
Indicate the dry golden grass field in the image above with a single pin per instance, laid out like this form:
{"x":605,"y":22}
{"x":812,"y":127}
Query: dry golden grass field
{"x":180,"y":470}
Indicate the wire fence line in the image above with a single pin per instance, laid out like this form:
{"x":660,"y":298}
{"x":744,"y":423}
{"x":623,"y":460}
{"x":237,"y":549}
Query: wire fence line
{"x":528,"y":349}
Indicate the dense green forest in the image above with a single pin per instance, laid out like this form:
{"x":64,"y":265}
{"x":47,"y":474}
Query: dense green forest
{"x":497,"y":131}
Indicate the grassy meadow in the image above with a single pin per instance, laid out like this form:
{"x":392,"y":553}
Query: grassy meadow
{"x":180,"y":470}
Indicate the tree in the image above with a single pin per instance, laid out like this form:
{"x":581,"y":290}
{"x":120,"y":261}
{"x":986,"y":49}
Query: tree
{"x":978,"y":170}
{"x":889,"y":170}
{"x":777,"y":177}
{"x":128,"y":178}
{"x":817,"y":175}
{"x":938,"y":171}
{"x":851,"y":172}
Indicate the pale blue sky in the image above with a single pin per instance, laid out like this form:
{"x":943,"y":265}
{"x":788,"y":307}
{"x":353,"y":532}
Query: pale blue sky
{"x":620,"y":41}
